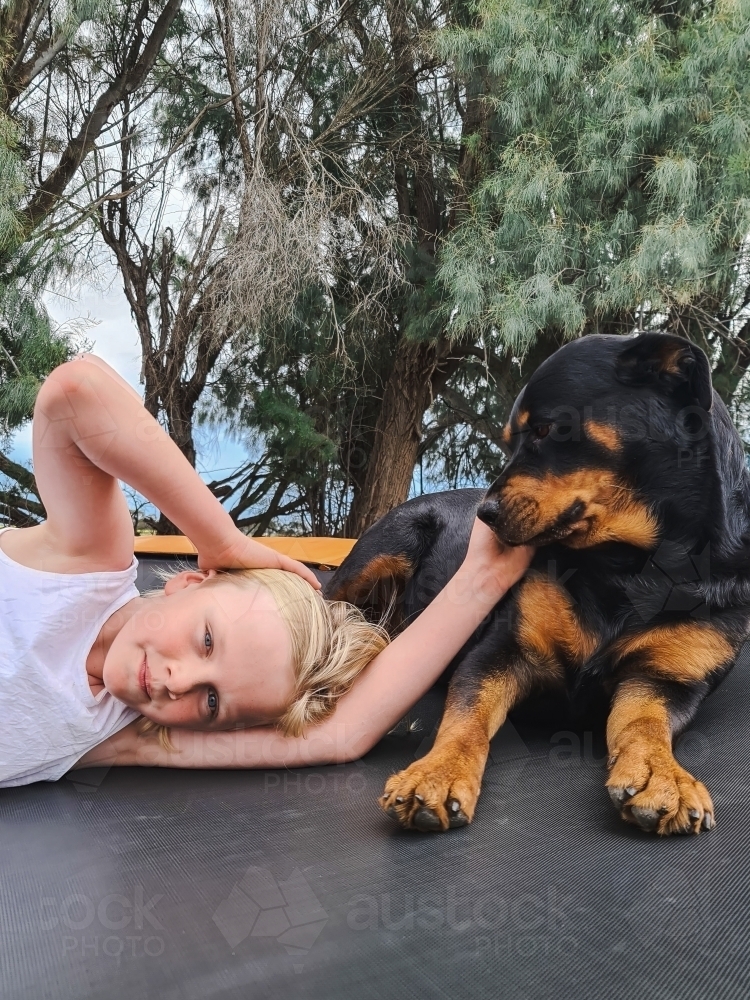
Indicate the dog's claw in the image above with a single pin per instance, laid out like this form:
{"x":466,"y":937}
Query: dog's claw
{"x":708,"y":822}
{"x":457,"y":816}
{"x":647,"y":819}
{"x":458,"y":819}
{"x":618,"y":796}
{"x":426,"y":820}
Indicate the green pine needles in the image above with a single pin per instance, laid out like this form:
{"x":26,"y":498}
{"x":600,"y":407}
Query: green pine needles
{"x":616,"y":171}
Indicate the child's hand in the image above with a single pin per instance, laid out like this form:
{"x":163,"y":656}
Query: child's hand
{"x":493,"y":562}
{"x":244,"y":553}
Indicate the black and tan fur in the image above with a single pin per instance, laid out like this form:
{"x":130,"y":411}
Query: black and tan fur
{"x":626,"y":472}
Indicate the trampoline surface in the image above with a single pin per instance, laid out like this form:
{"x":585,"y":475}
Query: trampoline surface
{"x":138,"y":883}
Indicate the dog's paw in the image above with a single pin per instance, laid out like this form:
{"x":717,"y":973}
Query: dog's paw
{"x":437,"y":793}
{"x":658,"y":795}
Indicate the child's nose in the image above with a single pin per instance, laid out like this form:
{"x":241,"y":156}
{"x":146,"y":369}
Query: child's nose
{"x":178,"y":680}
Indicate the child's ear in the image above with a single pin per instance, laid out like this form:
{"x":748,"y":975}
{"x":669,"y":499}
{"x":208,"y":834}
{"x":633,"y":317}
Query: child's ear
{"x":187,"y":578}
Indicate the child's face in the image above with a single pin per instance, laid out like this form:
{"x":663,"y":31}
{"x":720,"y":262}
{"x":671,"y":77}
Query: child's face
{"x":211,"y":656}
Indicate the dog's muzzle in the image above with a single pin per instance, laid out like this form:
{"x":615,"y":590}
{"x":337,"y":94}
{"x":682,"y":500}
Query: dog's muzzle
{"x":521,"y":524}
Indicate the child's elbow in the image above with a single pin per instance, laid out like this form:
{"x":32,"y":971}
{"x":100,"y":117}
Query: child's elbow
{"x":337,"y":740}
{"x":354,"y":749}
{"x":64,"y":389}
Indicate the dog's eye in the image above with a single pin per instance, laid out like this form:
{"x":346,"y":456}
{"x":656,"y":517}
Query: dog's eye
{"x":541,"y":431}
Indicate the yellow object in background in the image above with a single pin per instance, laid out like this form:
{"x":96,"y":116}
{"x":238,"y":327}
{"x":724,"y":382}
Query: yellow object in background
{"x":318,"y":551}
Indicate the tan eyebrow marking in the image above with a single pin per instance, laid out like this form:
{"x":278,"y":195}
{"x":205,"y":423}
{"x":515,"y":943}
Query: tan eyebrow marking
{"x":521,"y":423}
{"x":523,"y":419}
{"x":603,"y":434}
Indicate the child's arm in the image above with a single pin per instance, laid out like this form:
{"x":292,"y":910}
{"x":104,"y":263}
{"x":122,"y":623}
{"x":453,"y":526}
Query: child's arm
{"x":384,"y":692}
{"x":91,"y":429}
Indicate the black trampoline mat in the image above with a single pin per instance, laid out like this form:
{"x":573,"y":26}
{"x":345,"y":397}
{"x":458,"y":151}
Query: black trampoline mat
{"x":137,"y":883}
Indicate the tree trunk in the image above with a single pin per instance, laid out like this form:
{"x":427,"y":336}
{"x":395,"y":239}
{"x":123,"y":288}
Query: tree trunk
{"x":420,"y":369}
{"x":398,"y":432}
{"x":180,"y":427}
{"x":408,"y":390}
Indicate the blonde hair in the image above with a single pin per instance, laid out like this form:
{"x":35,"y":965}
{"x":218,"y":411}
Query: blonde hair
{"x":332,"y":642}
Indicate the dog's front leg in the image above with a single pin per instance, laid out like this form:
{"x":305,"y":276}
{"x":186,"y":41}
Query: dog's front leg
{"x":645,"y":782}
{"x":440,"y":791}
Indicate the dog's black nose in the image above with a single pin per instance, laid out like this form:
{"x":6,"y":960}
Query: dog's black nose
{"x":576,"y":510}
{"x":488,"y":511}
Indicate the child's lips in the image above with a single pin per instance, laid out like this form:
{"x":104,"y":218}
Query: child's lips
{"x":144,"y":678}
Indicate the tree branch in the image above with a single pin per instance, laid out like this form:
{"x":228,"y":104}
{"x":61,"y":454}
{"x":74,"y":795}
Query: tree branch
{"x":19,"y":473}
{"x":137,"y":68}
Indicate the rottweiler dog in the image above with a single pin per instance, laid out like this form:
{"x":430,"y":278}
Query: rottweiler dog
{"x":627,"y":474}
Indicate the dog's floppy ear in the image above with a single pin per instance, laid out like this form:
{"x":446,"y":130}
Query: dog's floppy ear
{"x":661,"y":359}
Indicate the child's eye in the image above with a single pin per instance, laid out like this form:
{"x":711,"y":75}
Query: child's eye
{"x":208,"y":640}
{"x":213,"y":702}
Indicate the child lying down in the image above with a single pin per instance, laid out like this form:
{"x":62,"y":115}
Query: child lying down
{"x":239,"y":663}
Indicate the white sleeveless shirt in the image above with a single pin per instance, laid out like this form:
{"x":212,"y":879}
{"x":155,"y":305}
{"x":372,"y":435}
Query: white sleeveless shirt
{"x":49,"y":622}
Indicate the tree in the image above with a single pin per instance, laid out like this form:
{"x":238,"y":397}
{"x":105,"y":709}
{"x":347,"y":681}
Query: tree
{"x":433,"y":164}
{"x":617,"y":191}
{"x":356,"y":110}
{"x":52,"y":83}
{"x":56,"y":103}
{"x":352,"y":232}
{"x":267,"y":202}
{"x":30,"y":349}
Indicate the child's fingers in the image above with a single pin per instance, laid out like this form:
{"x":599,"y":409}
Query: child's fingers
{"x":292,"y":566}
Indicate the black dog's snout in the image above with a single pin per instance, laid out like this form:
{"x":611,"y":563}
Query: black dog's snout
{"x":488,"y":512}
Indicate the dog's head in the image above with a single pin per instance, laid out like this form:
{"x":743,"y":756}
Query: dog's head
{"x":598,"y":426}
